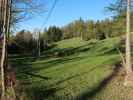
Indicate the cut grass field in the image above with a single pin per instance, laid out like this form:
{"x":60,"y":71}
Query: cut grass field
{"x":73,"y":70}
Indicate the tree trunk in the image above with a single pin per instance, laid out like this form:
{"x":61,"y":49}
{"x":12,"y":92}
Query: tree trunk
{"x":38,"y":44}
{"x":2,"y":67}
{"x":5,"y":21}
{"x":4,"y":15}
{"x":128,"y":66}
{"x":128,"y":41}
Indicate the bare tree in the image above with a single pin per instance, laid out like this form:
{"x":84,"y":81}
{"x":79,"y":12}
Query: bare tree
{"x":25,"y":9}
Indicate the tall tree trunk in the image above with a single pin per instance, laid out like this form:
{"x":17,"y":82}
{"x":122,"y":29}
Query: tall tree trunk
{"x":4,"y":16}
{"x":128,"y":41}
{"x":5,"y":24}
{"x":2,"y":67}
{"x":38,"y":44}
{"x":128,"y":66}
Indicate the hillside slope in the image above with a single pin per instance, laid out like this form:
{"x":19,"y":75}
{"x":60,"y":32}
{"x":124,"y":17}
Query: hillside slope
{"x":72,"y":70}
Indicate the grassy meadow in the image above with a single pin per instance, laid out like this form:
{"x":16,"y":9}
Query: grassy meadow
{"x":73,"y":69}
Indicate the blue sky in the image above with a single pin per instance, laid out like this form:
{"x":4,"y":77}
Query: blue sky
{"x":66,"y":11}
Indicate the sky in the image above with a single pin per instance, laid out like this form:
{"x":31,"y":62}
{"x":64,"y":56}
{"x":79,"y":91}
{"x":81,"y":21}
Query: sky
{"x":67,"y":11}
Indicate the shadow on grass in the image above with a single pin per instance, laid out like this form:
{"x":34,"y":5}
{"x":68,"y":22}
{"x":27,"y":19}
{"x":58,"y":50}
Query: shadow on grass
{"x":58,"y":52}
{"x":37,"y":76}
{"x":74,"y":76}
{"x":26,"y":73}
{"x":23,"y":67}
{"x":43,"y":94}
{"x":26,"y":70}
{"x":40,"y":93}
{"x":90,"y":94}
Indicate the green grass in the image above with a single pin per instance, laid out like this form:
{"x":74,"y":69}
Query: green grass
{"x":74,"y":76}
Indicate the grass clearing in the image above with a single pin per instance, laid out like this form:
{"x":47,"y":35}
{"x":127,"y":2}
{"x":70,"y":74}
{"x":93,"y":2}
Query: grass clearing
{"x":76,"y":76}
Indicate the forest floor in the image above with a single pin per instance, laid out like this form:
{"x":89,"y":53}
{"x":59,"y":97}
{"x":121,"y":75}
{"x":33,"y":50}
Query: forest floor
{"x":74,"y":70}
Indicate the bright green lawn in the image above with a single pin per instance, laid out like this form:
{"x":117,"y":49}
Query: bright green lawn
{"x":77,"y":76}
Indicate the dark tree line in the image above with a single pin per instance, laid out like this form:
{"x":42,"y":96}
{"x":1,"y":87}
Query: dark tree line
{"x":27,"y":42}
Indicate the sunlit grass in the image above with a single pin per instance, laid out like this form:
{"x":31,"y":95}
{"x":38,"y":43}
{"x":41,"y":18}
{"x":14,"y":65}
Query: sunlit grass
{"x":68,"y":77}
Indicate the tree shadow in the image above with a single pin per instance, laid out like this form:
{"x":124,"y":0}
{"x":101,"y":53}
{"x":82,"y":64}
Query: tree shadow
{"x":43,"y":94}
{"x":37,"y":76}
{"x":28,"y":67}
{"x":25,"y":69}
{"x":63,"y":52}
{"x":40,"y":93}
{"x":90,"y":94}
{"x":74,"y":76}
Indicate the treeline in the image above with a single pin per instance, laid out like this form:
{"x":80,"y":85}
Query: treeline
{"x":30,"y":42}
{"x":25,"y":41}
{"x":94,"y":29}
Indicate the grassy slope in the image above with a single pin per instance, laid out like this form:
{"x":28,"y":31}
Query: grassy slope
{"x":79,"y":76}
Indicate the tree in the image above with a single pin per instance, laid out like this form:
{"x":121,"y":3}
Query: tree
{"x":53,"y":34}
{"x":24,"y":9}
{"x":76,"y":28}
{"x":11,"y":11}
{"x":100,"y":35}
{"x":123,"y":8}
{"x":4,"y":28}
{"x":80,"y":28}
{"x":68,"y":31}
{"x":24,"y":41}
{"x":128,"y":47}
{"x":89,"y":32}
